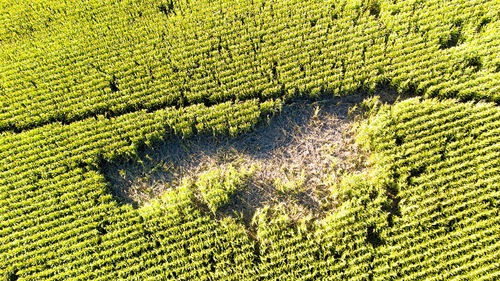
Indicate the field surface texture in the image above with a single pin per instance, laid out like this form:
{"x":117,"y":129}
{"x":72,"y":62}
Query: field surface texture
{"x":92,"y":85}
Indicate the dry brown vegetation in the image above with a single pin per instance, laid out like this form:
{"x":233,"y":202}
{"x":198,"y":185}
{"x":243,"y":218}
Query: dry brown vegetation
{"x":300,"y":154}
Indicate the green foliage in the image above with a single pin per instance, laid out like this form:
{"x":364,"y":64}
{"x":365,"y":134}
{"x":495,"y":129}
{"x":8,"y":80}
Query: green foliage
{"x":450,"y":39}
{"x":374,"y":8}
{"x":166,"y":53}
{"x":218,"y":184}
{"x":10,"y":274}
{"x":293,"y":183}
{"x":441,"y":163}
{"x":98,"y":81}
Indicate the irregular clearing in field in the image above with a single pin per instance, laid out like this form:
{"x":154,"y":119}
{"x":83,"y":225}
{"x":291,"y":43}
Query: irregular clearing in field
{"x":309,"y":143}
